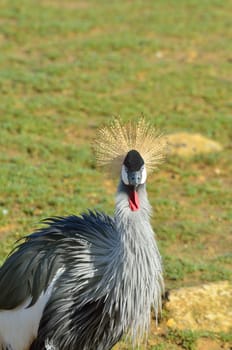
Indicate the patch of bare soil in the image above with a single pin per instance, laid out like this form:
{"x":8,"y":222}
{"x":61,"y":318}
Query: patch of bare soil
{"x":186,"y":145}
{"x":67,"y":5}
{"x":4,"y":230}
{"x":78,"y":137}
{"x":211,"y":344}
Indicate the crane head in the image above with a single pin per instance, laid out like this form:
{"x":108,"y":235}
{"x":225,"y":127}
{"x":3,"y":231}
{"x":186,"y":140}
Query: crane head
{"x":133,"y":171}
{"x":133,"y":174}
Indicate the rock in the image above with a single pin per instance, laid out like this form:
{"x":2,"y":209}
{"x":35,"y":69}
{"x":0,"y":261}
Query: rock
{"x":207,"y":307}
{"x":186,"y":145}
{"x":211,"y":344}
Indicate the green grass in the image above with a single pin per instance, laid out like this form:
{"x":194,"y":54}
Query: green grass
{"x":67,"y":67}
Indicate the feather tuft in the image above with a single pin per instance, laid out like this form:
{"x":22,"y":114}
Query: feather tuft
{"x":116,"y":140}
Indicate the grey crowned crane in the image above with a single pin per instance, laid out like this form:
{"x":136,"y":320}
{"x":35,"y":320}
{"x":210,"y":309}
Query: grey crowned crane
{"x":82,"y":282}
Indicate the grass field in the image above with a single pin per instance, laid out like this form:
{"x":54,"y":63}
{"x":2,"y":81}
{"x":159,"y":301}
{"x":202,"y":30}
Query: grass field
{"x":66,"y":68}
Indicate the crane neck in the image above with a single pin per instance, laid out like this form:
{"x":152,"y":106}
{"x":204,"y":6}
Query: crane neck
{"x":138,"y":261}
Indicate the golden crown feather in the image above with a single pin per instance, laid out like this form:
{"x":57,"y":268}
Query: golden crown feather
{"x":113,"y":142}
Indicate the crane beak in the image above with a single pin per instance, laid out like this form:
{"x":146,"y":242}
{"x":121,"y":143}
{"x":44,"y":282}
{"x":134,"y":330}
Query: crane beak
{"x":134,"y":178}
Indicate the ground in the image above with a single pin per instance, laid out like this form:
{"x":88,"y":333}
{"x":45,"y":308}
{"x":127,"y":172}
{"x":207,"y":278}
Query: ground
{"x":65,"y":69}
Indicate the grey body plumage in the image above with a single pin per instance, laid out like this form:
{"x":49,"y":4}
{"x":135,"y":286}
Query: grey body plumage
{"x":110,"y":276}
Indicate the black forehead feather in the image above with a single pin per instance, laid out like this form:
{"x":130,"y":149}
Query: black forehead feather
{"x":133,"y":160}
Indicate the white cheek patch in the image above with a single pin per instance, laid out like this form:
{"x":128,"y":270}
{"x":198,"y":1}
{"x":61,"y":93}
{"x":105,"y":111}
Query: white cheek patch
{"x":124,"y":175}
{"x":144,"y":175}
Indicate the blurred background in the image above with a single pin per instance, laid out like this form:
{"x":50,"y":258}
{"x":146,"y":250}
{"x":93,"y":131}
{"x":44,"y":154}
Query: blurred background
{"x":67,"y":67}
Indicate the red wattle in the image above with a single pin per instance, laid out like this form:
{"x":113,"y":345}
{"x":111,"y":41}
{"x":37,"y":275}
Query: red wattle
{"x":134,"y":200}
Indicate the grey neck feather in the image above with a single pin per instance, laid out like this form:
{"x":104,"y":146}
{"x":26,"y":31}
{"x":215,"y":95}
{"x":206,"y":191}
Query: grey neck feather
{"x":142,"y":282}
